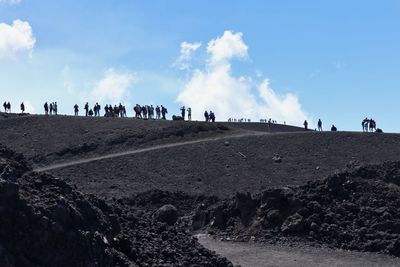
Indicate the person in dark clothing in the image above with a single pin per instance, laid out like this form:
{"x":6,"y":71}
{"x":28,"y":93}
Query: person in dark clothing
{"x":46,"y":108}
{"x":87,"y":109}
{"x":76,"y":109}
{"x":183,"y":110}
{"x":164,"y":111}
{"x":206,"y":117}
{"x":305,"y":125}
{"x":51,"y":108}
{"x":5,"y":107}
{"x":320,"y":125}
{"x":22,"y":108}
{"x":158,"y":112}
{"x":333,"y":128}
{"x":90,"y":113}
{"x":9,"y":107}
{"x":212,"y":116}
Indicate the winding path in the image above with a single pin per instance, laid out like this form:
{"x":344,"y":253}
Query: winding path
{"x":147,"y":149}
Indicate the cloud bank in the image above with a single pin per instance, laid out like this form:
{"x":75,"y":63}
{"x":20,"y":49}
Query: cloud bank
{"x":113,"y":86}
{"x":16,"y":39}
{"x":215,"y":88}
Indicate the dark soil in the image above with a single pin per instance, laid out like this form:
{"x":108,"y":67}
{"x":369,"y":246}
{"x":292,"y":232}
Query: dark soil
{"x":45,"y":222}
{"x":47,"y":139}
{"x":354,"y":210}
{"x":245,"y":164}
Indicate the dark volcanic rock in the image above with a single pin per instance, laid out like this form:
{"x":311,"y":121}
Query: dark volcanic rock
{"x":46,"y":222}
{"x":357,"y":210}
{"x":167,"y":214}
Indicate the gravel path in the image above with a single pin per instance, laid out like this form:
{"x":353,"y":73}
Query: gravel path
{"x":256,"y":255}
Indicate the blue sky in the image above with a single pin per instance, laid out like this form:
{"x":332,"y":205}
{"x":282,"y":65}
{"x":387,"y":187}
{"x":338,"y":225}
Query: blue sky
{"x":334,"y":60}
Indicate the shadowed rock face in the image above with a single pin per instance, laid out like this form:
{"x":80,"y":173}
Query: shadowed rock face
{"x":46,"y":222}
{"x":357,"y":210}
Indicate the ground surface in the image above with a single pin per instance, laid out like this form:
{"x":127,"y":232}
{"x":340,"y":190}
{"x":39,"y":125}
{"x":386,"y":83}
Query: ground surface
{"x":116,"y":159}
{"x":256,"y":255}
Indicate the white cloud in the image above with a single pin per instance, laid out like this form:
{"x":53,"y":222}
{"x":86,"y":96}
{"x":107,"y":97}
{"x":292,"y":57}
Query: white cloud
{"x":186,"y":54}
{"x":16,"y":39}
{"x":113,"y":87}
{"x":230,"y":45}
{"x":10,"y":2}
{"x":216,"y":88}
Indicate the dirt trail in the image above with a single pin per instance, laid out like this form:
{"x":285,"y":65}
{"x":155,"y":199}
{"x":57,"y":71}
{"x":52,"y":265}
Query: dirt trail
{"x":142,"y":150}
{"x":256,"y":255}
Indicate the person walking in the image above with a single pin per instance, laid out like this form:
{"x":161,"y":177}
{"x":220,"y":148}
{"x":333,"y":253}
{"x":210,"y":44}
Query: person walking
{"x":76,"y":109}
{"x":87,"y":109}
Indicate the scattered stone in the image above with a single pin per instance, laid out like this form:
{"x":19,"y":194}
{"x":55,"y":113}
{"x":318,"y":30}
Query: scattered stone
{"x":277,"y":158}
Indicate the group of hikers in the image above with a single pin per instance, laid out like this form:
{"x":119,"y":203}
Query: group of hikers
{"x":146,"y":112}
{"x":239,"y":120}
{"x":7,"y":107}
{"x":109,"y":110}
{"x":368,"y":125}
{"x":209,"y":116}
{"x":49,"y":109}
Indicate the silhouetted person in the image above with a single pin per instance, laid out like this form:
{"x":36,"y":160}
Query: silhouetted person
{"x":51,"y":108}
{"x":90,"y":113}
{"x":76,"y":109}
{"x":22,"y":108}
{"x":211,"y":116}
{"x":206,"y":117}
{"x":158,"y":112}
{"x":183,"y":110}
{"x":9,"y":107}
{"x":333,"y":128}
{"x":5,"y":107}
{"x":55,"y":108}
{"x":319,"y":125}
{"x":46,"y":108}
{"x":364,"y":125}
{"x":305,"y":125}
{"x":87,"y":109}
{"x":164,"y":111}
{"x":189,"y":110}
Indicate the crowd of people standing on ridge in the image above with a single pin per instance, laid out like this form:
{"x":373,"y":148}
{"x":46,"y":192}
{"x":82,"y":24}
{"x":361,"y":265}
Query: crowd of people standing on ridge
{"x":146,"y":112}
{"x":50,"y":109}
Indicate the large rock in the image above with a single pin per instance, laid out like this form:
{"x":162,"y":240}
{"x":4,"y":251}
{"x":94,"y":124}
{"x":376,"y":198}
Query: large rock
{"x":167,"y":214}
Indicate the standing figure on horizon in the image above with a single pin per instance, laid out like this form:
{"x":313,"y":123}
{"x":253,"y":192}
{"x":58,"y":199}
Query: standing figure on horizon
{"x":22,"y":108}
{"x":365,"y":124}
{"x":51,"y":108}
{"x":211,"y":116}
{"x":46,"y":108}
{"x":9,"y":107}
{"x":55,"y":108}
{"x":164,"y":111}
{"x":76,"y":109}
{"x":189,"y":110}
{"x":87,"y":109}
{"x":319,"y":125}
{"x":158,"y":112}
{"x":183,"y":110}
{"x":5,"y":107}
{"x":206,"y":116}
{"x":305,"y":125}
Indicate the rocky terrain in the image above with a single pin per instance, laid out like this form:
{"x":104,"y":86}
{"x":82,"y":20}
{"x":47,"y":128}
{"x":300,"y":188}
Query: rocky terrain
{"x":352,"y":210}
{"x":236,"y":181}
{"x":46,"y":222}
